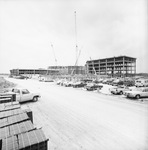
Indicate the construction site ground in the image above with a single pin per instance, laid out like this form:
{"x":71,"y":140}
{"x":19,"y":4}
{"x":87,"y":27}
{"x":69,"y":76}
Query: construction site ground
{"x":75,"y":119}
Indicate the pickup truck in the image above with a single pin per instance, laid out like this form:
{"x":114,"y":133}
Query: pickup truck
{"x":23,"y":95}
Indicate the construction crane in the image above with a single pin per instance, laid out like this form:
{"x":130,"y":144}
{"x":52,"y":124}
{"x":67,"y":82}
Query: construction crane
{"x":54,"y":57}
{"x":54,"y":54}
{"x":77,"y":51}
{"x":76,"y":63}
{"x":93,"y":67}
{"x":76,"y":36}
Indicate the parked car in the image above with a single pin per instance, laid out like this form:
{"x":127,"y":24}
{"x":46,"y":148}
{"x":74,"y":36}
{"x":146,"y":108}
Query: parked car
{"x":129,"y":83}
{"x":95,"y":81}
{"x":119,"y":90}
{"x":104,"y":81}
{"x":141,"y":83}
{"x":93,"y":86}
{"x":79,"y":84}
{"x":117,"y":82}
{"x":23,"y":95}
{"x":20,"y":77}
{"x":100,"y":80}
{"x":137,"y":93}
{"x":110,"y":81}
{"x":69,"y":83}
{"x":86,"y":80}
{"x":65,"y":82}
{"x":47,"y":79}
{"x":60,"y":82}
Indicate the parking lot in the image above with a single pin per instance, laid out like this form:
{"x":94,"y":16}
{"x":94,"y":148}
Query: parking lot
{"x":74,"y":119}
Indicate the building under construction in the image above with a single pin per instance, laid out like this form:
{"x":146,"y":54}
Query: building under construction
{"x":69,"y":70}
{"x":115,"y":66}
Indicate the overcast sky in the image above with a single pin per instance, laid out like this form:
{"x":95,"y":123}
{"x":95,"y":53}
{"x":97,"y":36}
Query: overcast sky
{"x":105,"y":28}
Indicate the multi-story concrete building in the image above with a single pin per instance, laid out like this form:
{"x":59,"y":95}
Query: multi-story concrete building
{"x":114,"y":66}
{"x":69,"y":69}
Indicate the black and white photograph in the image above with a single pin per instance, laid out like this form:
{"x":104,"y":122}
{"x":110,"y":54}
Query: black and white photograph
{"x":73,"y":75}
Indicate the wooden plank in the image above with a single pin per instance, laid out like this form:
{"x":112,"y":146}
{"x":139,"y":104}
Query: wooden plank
{"x":10,"y":143}
{"x":5,"y":100}
{"x":11,"y":107}
{"x":13,"y":120}
{"x":34,"y":139}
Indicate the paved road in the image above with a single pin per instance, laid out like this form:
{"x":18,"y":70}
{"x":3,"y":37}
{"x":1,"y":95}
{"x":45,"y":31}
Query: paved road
{"x":75,"y":119}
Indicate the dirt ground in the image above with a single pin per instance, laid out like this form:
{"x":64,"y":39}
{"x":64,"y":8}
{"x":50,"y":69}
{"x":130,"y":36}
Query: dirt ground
{"x":5,"y":85}
{"x":75,"y":119}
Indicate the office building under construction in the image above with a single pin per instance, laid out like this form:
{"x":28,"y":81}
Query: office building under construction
{"x":69,"y":70}
{"x":121,"y":66}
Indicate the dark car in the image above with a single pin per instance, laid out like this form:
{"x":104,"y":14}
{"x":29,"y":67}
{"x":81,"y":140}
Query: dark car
{"x":86,"y":80}
{"x":93,"y":86}
{"x":117,"y":82}
{"x":129,"y":83}
{"x":79,"y":84}
{"x":110,"y":81}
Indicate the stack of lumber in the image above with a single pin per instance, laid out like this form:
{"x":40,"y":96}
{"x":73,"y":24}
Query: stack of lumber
{"x":9,"y":106}
{"x":32,"y":140}
{"x":17,"y":131}
{"x":7,"y":97}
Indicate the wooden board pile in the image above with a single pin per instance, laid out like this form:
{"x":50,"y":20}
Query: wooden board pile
{"x":7,"y":97}
{"x":17,"y":131}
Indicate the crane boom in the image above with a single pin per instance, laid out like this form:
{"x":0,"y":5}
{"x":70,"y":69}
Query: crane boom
{"x":93,"y":67}
{"x":54,"y":54}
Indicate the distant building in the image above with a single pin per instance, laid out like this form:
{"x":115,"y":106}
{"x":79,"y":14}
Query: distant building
{"x":113,"y":66}
{"x":67,"y":70}
{"x":33,"y":71}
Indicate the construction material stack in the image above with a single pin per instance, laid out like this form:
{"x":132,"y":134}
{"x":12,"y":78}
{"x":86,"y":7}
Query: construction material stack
{"x":17,"y":131}
{"x":7,"y":97}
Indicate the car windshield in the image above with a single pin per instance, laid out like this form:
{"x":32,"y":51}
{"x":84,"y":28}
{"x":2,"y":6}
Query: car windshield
{"x":25,"y":91}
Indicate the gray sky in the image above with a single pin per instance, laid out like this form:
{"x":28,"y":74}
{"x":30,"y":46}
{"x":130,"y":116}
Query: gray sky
{"x":105,"y":28}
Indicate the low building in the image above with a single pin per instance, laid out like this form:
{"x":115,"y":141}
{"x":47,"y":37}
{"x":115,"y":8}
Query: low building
{"x":33,"y":71}
{"x":113,"y":66}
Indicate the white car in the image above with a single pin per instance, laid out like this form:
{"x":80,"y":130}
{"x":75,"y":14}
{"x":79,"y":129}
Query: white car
{"x":137,"y":93}
{"x":141,"y":83}
{"x":23,"y":95}
{"x":119,"y":90}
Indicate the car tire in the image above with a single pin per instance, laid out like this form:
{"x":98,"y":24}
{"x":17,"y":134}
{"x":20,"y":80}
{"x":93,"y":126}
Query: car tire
{"x":121,"y":92}
{"x":35,"y":98}
{"x":137,"y":96}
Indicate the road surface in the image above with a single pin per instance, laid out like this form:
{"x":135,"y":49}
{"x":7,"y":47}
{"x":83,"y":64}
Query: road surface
{"x":75,"y":119}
